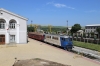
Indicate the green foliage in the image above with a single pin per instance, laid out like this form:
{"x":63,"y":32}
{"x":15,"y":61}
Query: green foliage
{"x":30,"y":29}
{"x":92,"y":34}
{"x":75,"y":28}
{"x":54,"y":28}
{"x":87,"y":45}
{"x":98,"y":30}
{"x":84,"y":35}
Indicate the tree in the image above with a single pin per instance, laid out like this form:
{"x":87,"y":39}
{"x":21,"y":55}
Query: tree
{"x":30,"y":29}
{"x":75,"y":28}
{"x":92,"y":34}
{"x":98,"y":30}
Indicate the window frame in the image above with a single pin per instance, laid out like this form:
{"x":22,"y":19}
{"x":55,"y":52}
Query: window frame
{"x":12,"y":24}
{"x":2,"y":24}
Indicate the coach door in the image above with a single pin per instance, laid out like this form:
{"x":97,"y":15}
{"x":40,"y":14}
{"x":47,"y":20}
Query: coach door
{"x":2,"y":39}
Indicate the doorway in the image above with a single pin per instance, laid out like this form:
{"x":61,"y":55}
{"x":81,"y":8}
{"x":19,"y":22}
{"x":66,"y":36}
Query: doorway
{"x":2,"y":39}
{"x":12,"y":38}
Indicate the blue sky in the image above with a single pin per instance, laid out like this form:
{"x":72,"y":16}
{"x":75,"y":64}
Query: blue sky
{"x":56,"y":12}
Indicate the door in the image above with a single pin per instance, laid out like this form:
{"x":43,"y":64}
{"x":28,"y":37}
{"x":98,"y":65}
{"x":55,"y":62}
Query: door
{"x":12,"y":38}
{"x":2,"y":39}
{"x":62,"y":41}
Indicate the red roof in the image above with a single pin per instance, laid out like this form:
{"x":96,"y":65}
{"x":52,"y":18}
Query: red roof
{"x":36,"y":33}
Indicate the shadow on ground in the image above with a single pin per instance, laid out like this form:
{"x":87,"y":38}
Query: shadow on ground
{"x":37,"y":62}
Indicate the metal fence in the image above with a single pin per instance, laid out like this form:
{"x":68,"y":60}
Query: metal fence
{"x":87,"y":40}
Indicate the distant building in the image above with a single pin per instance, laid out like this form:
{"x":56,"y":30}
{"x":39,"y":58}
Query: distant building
{"x":69,"y":28}
{"x":80,"y":33}
{"x":91,"y":28}
{"x":13,"y":28}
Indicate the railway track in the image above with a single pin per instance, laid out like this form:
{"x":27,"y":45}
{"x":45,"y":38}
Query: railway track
{"x":87,"y":53}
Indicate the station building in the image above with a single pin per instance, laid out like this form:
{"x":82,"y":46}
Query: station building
{"x":13,"y":28}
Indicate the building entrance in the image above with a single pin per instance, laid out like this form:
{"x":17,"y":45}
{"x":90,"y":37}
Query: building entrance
{"x":2,"y":39}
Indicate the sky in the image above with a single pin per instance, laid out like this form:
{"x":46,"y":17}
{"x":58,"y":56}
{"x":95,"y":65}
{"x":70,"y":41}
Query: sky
{"x":56,"y":12}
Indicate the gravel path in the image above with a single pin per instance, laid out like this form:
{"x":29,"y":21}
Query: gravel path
{"x":35,"y":49}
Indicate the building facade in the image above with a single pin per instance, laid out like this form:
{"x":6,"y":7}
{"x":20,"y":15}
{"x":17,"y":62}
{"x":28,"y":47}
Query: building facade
{"x":13,"y":28}
{"x":91,"y":28}
{"x":80,"y":33}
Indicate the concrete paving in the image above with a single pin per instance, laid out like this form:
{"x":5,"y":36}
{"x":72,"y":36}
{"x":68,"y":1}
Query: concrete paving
{"x":35,"y":49}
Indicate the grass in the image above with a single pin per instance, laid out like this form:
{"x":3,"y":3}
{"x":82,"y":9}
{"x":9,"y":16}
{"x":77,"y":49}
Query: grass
{"x":87,"y":45}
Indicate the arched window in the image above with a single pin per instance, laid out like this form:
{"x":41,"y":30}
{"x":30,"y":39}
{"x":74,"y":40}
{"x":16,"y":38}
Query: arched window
{"x":12,"y":24}
{"x":2,"y":24}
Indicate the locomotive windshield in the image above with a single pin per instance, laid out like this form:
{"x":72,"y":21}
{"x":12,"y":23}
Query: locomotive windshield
{"x":70,"y":39}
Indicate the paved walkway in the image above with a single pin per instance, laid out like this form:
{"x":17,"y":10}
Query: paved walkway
{"x":35,"y":49}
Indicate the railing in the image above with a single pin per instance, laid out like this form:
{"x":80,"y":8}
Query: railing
{"x":87,"y":40}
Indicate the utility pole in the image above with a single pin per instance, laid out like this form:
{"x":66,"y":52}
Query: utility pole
{"x":31,"y":23}
{"x":67,"y":27}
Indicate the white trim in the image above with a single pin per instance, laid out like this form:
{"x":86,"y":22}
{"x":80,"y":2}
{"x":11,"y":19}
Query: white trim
{"x":7,"y":33}
{"x":1,"y":9}
{"x":94,"y":25}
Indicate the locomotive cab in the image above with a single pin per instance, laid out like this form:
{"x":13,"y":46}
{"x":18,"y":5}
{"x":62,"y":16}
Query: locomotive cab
{"x":66,"y":42}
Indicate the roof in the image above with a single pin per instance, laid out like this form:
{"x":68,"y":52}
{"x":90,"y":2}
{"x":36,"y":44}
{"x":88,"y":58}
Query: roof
{"x":66,"y":36}
{"x":36,"y":33}
{"x":93,"y":25}
{"x":80,"y":31}
{"x":63,"y":36}
{"x":69,"y":28}
{"x":1,"y":9}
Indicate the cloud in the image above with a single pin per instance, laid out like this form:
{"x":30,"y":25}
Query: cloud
{"x":58,"y":5}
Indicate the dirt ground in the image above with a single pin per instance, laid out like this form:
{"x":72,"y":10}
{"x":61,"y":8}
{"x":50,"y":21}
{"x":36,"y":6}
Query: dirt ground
{"x":37,"y":62}
{"x":35,"y":49}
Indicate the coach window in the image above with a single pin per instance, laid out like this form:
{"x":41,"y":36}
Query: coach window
{"x":56,"y":38}
{"x":2,"y":24}
{"x":12,"y":24}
